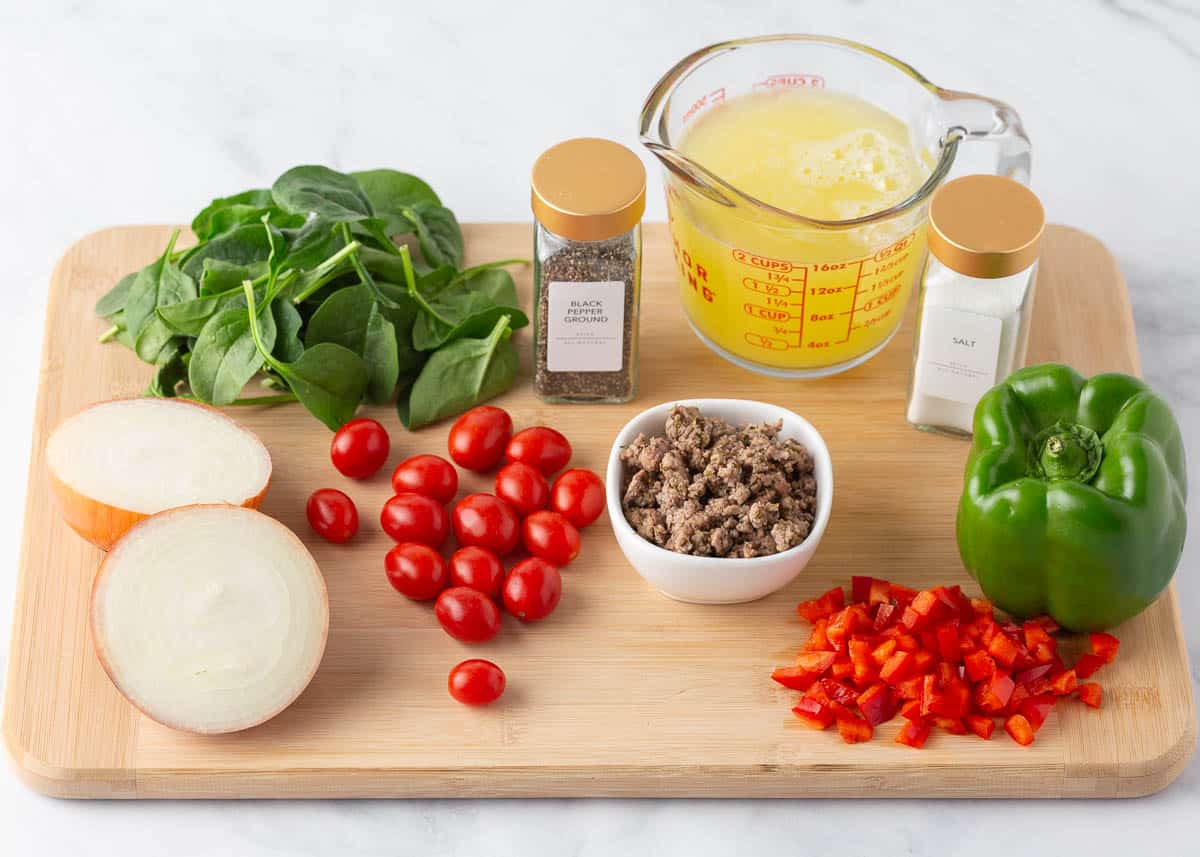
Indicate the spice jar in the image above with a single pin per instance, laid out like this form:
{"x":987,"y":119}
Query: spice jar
{"x":976,"y":297}
{"x":588,"y":198}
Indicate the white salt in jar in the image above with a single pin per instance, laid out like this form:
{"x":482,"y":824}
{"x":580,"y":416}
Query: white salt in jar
{"x":976,"y":297}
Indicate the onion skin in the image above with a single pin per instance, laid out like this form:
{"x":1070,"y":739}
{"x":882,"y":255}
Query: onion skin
{"x":102,"y":524}
{"x":114,"y":677}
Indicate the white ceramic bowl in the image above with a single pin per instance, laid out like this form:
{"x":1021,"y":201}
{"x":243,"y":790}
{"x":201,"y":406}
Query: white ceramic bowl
{"x":719,"y":580}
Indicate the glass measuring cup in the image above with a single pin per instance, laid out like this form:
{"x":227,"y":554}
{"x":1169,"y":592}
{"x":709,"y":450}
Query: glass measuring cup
{"x":770,"y":289}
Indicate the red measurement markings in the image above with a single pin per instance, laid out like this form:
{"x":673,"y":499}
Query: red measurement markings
{"x":766,"y":263}
{"x":791,"y":81}
{"x":766,"y":313}
{"x":759,"y":340}
{"x":709,"y":99}
{"x":779,"y":290}
{"x":854,"y":303}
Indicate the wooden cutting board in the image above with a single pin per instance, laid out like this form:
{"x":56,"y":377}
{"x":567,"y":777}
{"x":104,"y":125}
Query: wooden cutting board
{"x":621,"y":691}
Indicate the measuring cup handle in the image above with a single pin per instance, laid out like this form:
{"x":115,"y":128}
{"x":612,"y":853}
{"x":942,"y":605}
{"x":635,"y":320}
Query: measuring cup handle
{"x":973,"y":118}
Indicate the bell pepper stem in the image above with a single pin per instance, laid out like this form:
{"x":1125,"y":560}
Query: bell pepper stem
{"x":1065,"y":451}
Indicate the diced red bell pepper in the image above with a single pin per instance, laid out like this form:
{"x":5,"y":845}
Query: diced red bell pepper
{"x":929,"y":642}
{"x":995,"y":692}
{"x":876,"y":704}
{"x":839,"y":692}
{"x":817,"y":692}
{"x":980,"y":724}
{"x":911,"y":710}
{"x":837,"y":630}
{"x":853,"y":729}
{"x":819,"y":608}
{"x":813,"y":714}
{"x":1035,"y":634}
{"x":928,"y":606}
{"x":928,"y":693}
{"x":982,"y":607}
{"x":842,"y":669}
{"x":1090,"y":694}
{"x":1044,"y":653}
{"x":1033,"y":674}
{"x":1087,"y":665}
{"x":1039,"y":686}
{"x":910,"y":618}
{"x":817,"y":641}
{"x":901,"y":594}
{"x":1037,"y":708}
{"x":947,"y":640}
{"x":1063,"y":683}
{"x":908,"y":643}
{"x":795,"y":678}
{"x":988,"y":628}
{"x":884,"y":616}
{"x":864,"y":667}
{"x":914,"y":733}
{"x":897,"y":668}
{"x":1104,"y":646}
{"x":911,"y":688}
{"x":950,"y":724}
{"x":818,"y":662}
{"x":923,"y":661}
{"x":860,"y":587}
{"x":954,"y":603}
{"x":1019,"y":695}
{"x":1003,"y":649}
{"x":953,"y":700}
{"x":883,"y":651}
{"x":858,"y":620}
{"x":1046,"y":622}
{"x":1019,"y":730}
{"x":980,"y":665}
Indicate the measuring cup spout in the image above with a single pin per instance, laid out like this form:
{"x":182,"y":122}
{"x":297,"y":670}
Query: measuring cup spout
{"x":688,"y":171}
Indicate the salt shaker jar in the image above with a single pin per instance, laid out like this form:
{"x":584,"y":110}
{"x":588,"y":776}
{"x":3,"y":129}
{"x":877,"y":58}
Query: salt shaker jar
{"x":588,"y":196}
{"x":976,"y":297}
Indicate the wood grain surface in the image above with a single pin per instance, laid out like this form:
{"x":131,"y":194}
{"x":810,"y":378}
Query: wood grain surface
{"x":621,"y":691}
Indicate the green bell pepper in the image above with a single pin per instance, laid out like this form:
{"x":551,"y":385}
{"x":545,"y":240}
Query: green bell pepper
{"x":1073,"y":499}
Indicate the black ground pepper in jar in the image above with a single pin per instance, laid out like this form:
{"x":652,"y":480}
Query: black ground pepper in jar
{"x":588,"y":198}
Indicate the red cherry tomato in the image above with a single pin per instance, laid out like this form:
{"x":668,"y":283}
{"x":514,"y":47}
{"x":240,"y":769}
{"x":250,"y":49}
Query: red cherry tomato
{"x":578,"y":495}
{"x":522,"y":487}
{"x":430,"y":475}
{"x":550,"y":536}
{"x":486,"y":521}
{"x":332,"y":515}
{"x":532,"y":589}
{"x":416,"y":571}
{"x":477,"y":438}
{"x":476,"y":682}
{"x":467,"y":615}
{"x":359,"y":448}
{"x":477,"y":569}
{"x":540,"y":447}
{"x":415,"y":518}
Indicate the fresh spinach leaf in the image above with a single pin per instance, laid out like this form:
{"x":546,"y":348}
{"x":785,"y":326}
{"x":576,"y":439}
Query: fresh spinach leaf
{"x":219,"y":276}
{"x":288,"y":322}
{"x":328,"y":379}
{"x":225,"y":356}
{"x":170,"y":374}
{"x":159,"y":284}
{"x":390,"y":192}
{"x":226,"y":213}
{"x":332,"y":196}
{"x":352,"y":318}
{"x":189,"y":317}
{"x":242,"y":245}
{"x":438,"y":233}
{"x":461,"y":375}
{"x":114,"y":300}
{"x":466,"y":308}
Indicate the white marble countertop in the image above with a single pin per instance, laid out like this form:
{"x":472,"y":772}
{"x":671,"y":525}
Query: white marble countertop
{"x":128,"y":112}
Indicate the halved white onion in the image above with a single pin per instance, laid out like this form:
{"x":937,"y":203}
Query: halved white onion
{"x":115,"y":463}
{"x":210,"y":618}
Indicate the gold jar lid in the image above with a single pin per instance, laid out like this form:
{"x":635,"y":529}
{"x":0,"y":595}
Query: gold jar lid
{"x":985,"y":226}
{"x":588,"y":189}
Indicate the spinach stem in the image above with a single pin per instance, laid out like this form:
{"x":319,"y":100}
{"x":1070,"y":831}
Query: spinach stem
{"x":109,"y":334}
{"x":277,"y":399}
{"x":350,"y":250}
{"x":256,"y":334}
{"x":410,"y":283}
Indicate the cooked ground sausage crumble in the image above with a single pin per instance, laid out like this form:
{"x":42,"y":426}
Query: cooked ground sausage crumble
{"x":712,"y":489}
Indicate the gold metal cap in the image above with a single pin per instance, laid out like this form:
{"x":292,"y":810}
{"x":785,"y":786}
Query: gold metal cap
{"x":985,"y":226}
{"x":588,"y":189}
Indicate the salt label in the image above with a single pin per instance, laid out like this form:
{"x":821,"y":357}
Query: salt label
{"x":957,"y":356}
{"x":586,"y":323}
